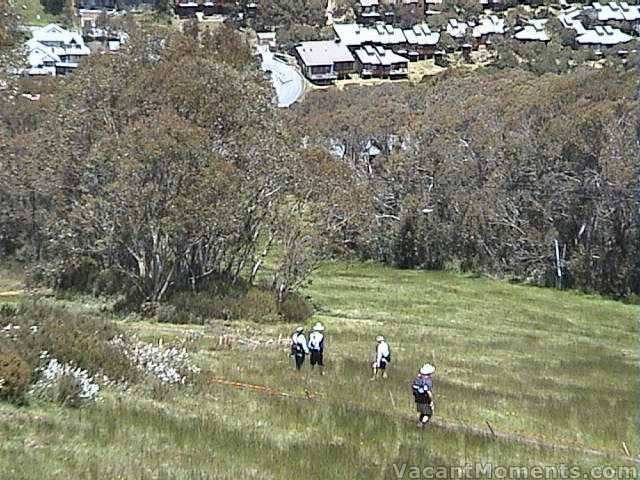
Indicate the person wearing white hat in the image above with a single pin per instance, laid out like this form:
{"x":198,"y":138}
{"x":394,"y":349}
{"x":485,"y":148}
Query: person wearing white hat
{"x":423,"y":394}
{"x":383,"y":357}
{"x":299,"y":347}
{"x":316,"y":346}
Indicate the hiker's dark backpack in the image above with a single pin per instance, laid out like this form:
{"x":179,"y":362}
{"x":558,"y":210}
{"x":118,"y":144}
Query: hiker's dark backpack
{"x":296,"y":348}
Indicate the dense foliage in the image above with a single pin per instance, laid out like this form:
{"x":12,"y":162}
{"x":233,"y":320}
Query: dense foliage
{"x":483,"y":172}
{"x":168,"y":167}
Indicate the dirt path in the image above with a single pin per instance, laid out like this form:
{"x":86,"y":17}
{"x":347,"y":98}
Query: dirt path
{"x":12,"y":293}
{"x":489,"y":432}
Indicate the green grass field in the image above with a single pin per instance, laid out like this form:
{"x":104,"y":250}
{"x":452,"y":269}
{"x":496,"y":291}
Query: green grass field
{"x":31,"y":12}
{"x":554,"y":373}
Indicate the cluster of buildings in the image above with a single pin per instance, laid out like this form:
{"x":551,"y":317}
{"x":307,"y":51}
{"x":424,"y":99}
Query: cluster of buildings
{"x":378,"y":50}
{"x":603,"y":35}
{"x":53,"y":50}
{"x":373,"y":48}
{"x":182,"y":8}
{"x":389,"y":11}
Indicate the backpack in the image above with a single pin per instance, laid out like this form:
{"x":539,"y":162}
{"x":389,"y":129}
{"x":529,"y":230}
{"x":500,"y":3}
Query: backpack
{"x":388,"y":357}
{"x":296,"y":348}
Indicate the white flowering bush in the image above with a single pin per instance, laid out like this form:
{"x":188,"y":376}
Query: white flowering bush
{"x":65,"y":383}
{"x":170,"y":366}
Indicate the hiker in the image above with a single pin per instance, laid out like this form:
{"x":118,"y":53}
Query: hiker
{"x":299,"y":347}
{"x":423,"y":394}
{"x":383,"y":358}
{"x":316,"y":345}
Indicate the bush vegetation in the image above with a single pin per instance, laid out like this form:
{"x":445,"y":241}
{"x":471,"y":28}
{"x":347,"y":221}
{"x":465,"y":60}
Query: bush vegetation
{"x":15,"y":375}
{"x":481,"y":172}
{"x":256,"y":304}
{"x":32,"y":328}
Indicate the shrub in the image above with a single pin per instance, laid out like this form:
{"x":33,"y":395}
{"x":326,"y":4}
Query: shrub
{"x":66,"y":384}
{"x":171,"y":365}
{"x":15,"y":375}
{"x":295,"y":308}
{"x":109,"y":282}
{"x":78,"y":339}
{"x":78,"y":276}
{"x":248,"y":303}
{"x":257,"y":305}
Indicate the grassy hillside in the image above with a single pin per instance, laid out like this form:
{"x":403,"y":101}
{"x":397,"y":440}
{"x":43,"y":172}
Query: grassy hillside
{"x":32,"y":12}
{"x":554,"y":373}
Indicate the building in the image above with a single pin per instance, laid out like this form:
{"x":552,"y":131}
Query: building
{"x":533,"y":31}
{"x":622,"y":12}
{"x":457,"y":29}
{"x":104,"y":40}
{"x":494,"y":5}
{"x":381,"y":62}
{"x":52,"y":50}
{"x":115,"y":4}
{"x":603,"y":36}
{"x":353,"y":35}
{"x":421,"y":42}
{"x":486,"y":27}
{"x":368,"y":11}
{"x":267,"y":39}
{"x":41,"y":60}
{"x":570,"y":19}
{"x":96,"y":4}
{"x":325,"y":61}
{"x":431,"y":6}
{"x":189,"y":8}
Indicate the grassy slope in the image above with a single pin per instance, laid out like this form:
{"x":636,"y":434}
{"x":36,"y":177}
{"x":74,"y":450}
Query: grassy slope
{"x":552,"y":365}
{"x":32,"y":12}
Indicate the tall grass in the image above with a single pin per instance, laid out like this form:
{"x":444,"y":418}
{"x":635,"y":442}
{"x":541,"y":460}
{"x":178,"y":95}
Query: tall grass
{"x":556,"y":366}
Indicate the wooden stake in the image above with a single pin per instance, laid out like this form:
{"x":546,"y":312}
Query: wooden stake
{"x":626,"y":450}
{"x":393,"y":402}
{"x":490,"y":428}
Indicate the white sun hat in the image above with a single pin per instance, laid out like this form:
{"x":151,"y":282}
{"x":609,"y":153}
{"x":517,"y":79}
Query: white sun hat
{"x":318,"y":327}
{"x":427,"y":369}
{"x":379,"y":338}
{"x":300,"y":329}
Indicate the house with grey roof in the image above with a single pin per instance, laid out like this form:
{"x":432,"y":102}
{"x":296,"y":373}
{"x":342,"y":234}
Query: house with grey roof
{"x":457,"y":29}
{"x":622,"y":12}
{"x":381,"y":62}
{"x":488,"y":26}
{"x":189,"y":8}
{"x":603,"y":36}
{"x":494,"y":5}
{"x":533,"y":31}
{"x":368,"y":11}
{"x":53,"y":50}
{"x":421,"y":42}
{"x":325,"y":61}
{"x":353,"y":35}
{"x":571,"y":19}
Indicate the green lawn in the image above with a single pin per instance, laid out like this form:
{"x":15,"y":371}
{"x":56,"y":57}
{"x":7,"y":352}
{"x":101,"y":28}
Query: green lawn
{"x":557,"y":367}
{"x":31,"y":12}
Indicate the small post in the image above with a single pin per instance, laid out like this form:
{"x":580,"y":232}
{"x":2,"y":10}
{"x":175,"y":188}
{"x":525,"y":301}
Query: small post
{"x":558,"y":266}
{"x":490,"y":428}
{"x":626,"y":450}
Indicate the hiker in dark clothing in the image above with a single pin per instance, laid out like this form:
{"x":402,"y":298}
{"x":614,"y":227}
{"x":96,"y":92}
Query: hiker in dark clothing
{"x":423,"y":394}
{"x":299,"y":347}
